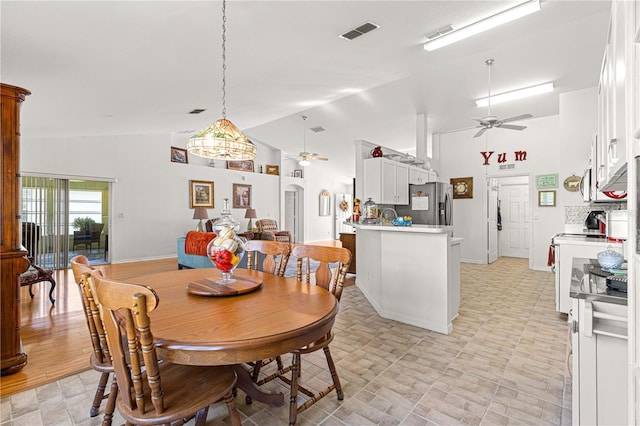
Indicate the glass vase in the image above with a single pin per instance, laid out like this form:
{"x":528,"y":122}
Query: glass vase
{"x":225,"y":252}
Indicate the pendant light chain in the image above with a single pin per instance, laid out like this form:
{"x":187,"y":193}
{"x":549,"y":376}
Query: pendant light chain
{"x":224,"y":58}
{"x":222,"y":140}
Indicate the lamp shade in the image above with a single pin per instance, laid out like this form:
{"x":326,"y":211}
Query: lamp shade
{"x":222,"y":141}
{"x":250,"y":214}
{"x":200,"y":213}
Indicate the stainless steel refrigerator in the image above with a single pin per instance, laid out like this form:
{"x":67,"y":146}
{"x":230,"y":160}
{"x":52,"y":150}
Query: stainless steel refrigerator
{"x":429,"y":204}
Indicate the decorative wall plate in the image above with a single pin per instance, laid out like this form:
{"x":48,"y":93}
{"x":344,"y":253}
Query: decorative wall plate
{"x":572,"y":183}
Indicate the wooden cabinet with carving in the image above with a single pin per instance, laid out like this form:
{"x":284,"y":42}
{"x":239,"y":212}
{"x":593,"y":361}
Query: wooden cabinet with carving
{"x":12,"y":255}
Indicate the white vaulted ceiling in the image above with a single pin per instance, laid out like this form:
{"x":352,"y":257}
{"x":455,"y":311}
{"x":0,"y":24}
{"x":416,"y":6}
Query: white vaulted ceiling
{"x":119,"y":67}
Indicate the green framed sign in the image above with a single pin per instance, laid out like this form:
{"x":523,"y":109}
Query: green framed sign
{"x":547,"y":181}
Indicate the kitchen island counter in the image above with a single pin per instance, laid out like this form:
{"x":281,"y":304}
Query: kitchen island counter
{"x":411,"y":273}
{"x":431,"y":229}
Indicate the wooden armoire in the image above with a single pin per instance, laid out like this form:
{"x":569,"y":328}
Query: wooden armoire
{"x":12,"y":255}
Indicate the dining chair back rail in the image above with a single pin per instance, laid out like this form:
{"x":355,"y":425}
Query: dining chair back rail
{"x":275,"y":256}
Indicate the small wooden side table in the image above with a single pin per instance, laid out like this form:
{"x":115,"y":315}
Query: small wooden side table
{"x":348,"y":240}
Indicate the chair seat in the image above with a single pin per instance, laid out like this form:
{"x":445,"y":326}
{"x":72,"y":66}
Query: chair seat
{"x":34,"y":275}
{"x":318,"y":344}
{"x":184,"y":387}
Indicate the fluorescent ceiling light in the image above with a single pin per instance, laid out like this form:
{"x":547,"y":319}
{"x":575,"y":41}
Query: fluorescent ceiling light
{"x":516,"y":94}
{"x":484,"y":24}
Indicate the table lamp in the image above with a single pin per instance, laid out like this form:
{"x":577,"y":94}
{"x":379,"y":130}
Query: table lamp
{"x":200,"y":213}
{"x":250,"y":214}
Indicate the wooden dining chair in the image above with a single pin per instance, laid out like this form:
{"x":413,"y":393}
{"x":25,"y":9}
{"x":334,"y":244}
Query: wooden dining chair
{"x":161,"y":392}
{"x":271,"y":257}
{"x":329,"y":258}
{"x":100,"y":359}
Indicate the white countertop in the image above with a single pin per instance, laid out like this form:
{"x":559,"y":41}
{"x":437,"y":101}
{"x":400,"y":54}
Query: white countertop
{"x":587,"y":241}
{"x":426,"y":229}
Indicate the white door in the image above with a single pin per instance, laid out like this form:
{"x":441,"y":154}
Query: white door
{"x":516,"y":220}
{"x":492,"y":223}
{"x":343,"y":209}
{"x":290,"y":210}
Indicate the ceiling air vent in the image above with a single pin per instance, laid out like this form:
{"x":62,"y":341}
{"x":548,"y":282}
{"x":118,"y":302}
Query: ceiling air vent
{"x":438,"y":33}
{"x":358,"y":31}
{"x":318,"y":129}
{"x":196,"y":111}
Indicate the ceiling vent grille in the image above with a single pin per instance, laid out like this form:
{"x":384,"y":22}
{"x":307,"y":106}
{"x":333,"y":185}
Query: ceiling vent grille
{"x":440,"y":32}
{"x":318,"y":129}
{"x":359,"y":31}
{"x":196,"y":111}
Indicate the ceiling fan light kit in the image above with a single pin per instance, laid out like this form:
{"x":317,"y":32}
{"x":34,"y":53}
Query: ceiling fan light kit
{"x":222,"y":140}
{"x":304,"y":157}
{"x":485,"y":24}
{"x":516,"y":94}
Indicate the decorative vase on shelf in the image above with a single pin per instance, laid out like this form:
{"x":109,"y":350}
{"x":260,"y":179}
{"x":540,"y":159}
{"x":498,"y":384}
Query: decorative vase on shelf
{"x":376,"y":152}
{"x":225,"y":252}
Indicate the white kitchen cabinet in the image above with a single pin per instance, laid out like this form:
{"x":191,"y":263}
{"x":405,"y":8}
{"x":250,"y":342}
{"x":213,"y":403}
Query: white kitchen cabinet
{"x":418,"y":176}
{"x":599,"y":362}
{"x":615,"y":97}
{"x":386,"y":181}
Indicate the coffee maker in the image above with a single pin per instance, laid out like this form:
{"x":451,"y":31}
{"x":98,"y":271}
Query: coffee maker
{"x":593,"y":219}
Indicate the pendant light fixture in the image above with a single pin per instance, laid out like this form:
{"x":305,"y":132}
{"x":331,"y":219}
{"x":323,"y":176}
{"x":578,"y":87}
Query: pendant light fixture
{"x":222,"y":140}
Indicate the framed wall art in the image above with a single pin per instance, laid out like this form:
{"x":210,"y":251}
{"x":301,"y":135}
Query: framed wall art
{"x":200,"y":194}
{"x":462,"y":187}
{"x":297,"y":173}
{"x":273,"y":170}
{"x":179,"y":155}
{"x":547,"y":181}
{"x":243,"y":166}
{"x":546,"y":198}
{"x":241,"y":196}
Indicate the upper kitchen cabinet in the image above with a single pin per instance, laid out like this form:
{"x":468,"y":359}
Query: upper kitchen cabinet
{"x":617,"y":93}
{"x":418,"y":175}
{"x":386,"y":181}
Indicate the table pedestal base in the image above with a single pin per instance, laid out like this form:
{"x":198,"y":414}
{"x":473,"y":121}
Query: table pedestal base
{"x":274,"y":399}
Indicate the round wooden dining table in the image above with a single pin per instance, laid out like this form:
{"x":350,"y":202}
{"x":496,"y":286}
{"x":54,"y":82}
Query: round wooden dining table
{"x":281,"y":315}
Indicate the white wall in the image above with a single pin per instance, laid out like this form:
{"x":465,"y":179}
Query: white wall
{"x":556,"y":144}
{"x":150,"y":201}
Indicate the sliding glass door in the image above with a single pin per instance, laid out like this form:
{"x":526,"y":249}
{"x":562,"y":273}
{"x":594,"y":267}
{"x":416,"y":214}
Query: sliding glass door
{"x":62,"y":218}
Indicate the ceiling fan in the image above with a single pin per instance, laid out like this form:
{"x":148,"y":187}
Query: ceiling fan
{"x":492,"y":121}
{"x":304,"y":156}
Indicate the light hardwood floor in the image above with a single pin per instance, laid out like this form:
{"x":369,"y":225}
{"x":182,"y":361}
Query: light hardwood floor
{"x":504,"y":363}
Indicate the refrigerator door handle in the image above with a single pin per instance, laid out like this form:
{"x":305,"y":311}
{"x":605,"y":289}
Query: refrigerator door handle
{"x":447,"y":209}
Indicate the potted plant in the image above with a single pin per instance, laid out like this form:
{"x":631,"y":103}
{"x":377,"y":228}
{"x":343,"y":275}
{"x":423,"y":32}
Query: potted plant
{"x":83,"y":224}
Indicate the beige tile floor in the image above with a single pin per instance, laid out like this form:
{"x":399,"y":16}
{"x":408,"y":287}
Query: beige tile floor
{"x":504,"y":363}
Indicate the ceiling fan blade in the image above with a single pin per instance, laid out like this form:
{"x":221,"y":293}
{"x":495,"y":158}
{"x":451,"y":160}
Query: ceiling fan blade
{"x":516,"y":118}
{"x":480,"y":132}
{"x":316,"y":156}
{"x":511,"y":127}
{"x":462,"y":128}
